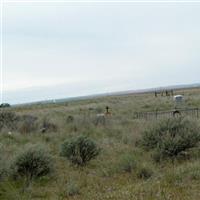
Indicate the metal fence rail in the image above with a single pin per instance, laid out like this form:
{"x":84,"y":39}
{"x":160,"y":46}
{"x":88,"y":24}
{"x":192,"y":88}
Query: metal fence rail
{"x":192,"y":112}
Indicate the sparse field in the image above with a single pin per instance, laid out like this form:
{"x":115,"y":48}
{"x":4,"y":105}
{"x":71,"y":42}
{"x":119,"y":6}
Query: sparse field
{"x":123,"y":169}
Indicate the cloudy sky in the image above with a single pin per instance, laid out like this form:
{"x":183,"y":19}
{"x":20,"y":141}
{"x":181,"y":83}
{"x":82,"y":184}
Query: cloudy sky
{"x":57,"y":50}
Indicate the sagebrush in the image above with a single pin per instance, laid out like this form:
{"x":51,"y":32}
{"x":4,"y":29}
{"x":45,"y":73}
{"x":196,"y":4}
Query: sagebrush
{"x":79,"y":150}
{"x":32,"y":162}
{"x":170,"y":137}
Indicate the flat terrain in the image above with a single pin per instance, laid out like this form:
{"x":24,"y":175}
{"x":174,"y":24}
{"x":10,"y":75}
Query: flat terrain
{"x":103,"y":177}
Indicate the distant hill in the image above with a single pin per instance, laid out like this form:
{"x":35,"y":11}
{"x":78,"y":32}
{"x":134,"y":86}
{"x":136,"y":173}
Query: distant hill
{"x":140,"y":91}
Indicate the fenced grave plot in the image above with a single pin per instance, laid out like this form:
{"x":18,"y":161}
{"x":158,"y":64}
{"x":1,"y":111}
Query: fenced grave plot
{"x":192,"y":112}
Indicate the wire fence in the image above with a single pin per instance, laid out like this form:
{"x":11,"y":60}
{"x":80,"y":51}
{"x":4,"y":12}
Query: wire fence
{"x":192,"y":112}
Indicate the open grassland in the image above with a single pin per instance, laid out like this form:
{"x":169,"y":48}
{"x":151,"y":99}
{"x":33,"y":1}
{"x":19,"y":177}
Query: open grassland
{"x":122,"y":170}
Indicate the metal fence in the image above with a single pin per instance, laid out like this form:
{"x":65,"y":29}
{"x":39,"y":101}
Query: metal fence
{"x":192,"y":112}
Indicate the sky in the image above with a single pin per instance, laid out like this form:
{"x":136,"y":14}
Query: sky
{"x":60,"y":50}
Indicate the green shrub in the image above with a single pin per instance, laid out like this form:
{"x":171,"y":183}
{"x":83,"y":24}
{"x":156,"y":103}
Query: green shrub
{"x":72,"y":189}
{"x":170,"y":137}
{"x":127,"y":163}
{"x":5,"y":105}
{"x":79,"y":150}
{"x":33,"y":162}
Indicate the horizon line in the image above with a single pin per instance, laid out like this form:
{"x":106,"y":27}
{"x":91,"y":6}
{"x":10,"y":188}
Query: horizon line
{"x":111,"y":93}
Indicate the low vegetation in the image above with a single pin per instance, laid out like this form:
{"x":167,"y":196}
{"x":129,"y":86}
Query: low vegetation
{"x":128,"y":163}
{"x":171,"y":137}
{"x":32,"y":162}
{"x":79,"y":150}
{"x":57,"y":151}
{"x":8,"y":120}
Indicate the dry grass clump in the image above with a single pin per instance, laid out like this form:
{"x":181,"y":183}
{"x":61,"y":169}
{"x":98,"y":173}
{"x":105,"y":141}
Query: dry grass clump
{"x":8,"y":120}
{"x":144,"y":172}
{"x":70,"y":119}
{"x":48,"y":126}
{"x":27,"y":124}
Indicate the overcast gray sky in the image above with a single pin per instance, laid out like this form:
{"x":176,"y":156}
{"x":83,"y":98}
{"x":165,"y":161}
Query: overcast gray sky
{"x":56,"y":50}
